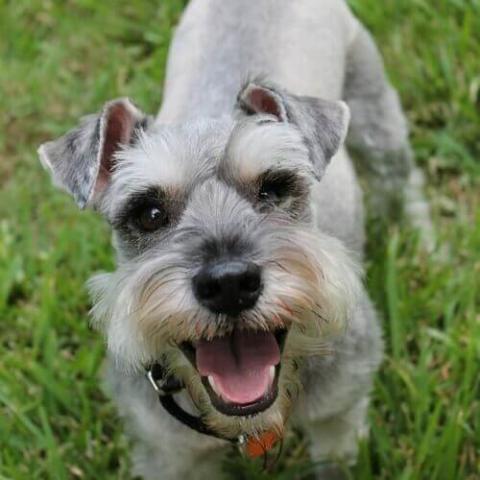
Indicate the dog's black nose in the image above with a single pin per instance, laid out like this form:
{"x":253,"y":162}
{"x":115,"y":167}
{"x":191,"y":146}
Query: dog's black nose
{"x":228,"y":287}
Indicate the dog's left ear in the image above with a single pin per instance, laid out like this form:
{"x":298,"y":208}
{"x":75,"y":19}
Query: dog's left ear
{"x":82,"y":160}
{"x":323,"y":123}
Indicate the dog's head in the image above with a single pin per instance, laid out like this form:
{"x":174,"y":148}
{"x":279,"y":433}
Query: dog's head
{"x":222,"y":275}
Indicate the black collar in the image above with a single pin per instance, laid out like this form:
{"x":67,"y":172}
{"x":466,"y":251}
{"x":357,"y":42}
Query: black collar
{"x":166,"y":386}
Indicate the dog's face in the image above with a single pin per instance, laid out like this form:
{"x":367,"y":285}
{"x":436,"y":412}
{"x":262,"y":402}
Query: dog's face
{"x":222,"y":275}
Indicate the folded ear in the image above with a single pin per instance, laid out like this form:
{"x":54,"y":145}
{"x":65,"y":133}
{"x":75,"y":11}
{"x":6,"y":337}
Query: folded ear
{"x":323,"y":123}
{"x":82,"y":160}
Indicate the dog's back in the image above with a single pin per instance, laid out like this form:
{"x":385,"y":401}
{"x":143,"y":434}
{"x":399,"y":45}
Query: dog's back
{"x":300,"y":45}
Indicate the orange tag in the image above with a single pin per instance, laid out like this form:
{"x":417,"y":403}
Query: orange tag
{"x":258,"y":446}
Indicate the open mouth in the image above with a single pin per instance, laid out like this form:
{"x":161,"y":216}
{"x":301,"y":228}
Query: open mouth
{"x":239,"y":371}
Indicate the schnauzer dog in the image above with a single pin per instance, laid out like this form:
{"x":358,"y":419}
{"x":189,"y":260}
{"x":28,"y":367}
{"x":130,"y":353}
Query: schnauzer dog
{"x":237,"y":221}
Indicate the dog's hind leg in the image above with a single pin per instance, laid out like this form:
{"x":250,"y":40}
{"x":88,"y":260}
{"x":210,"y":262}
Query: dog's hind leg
{"x":378,"y":139}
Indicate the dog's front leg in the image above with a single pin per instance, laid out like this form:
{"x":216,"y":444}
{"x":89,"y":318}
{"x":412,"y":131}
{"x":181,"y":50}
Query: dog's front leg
{"x":164,"y":448}
{"x":334,"y":441}
{"x":180,"y":460}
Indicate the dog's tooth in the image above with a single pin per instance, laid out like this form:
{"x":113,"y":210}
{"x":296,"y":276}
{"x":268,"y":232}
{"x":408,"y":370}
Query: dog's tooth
{"x":211,"y":381}
{"x":271,"y":374}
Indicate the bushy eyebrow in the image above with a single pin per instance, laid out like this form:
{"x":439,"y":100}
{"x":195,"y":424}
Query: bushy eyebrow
{"x":254,"y":148}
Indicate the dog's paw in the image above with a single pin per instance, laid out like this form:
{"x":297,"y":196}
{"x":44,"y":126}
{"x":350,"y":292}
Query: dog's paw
{"x":331,"y":471}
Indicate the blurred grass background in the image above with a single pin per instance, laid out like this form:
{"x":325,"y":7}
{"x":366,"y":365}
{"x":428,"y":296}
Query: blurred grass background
{"x":62,"y":59}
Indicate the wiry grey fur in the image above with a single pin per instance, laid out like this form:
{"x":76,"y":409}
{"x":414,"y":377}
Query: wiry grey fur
{"x":202,"y":158}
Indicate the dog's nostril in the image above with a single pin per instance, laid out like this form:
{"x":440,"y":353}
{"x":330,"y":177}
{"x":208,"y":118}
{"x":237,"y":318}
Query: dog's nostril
{"x":208,"y":289}
{"x":250,"y":282}
{"x":228,"y":287}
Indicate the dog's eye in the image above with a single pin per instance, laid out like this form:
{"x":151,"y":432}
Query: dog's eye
{"x":150,"y":218}
{"x":274,"y":187}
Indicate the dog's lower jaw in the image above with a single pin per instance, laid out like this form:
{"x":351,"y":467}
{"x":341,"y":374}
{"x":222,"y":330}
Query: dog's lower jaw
{"x":273,"y":418}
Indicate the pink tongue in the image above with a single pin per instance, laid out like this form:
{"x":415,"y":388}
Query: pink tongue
{"x":239,"y":364}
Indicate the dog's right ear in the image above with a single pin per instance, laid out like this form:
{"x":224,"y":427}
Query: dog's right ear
{"x":82,"y":160}
{"x":322,"y":123}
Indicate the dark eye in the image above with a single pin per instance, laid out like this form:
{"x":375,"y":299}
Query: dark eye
{"x":150,"y":218}
{"x":275,"y":187}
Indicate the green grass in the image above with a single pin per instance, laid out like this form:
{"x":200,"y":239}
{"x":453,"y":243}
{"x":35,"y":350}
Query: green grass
{"x":62,"y":59}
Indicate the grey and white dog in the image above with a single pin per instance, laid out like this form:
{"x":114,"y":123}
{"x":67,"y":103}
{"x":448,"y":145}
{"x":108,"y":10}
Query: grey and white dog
{"x":238,"y":224}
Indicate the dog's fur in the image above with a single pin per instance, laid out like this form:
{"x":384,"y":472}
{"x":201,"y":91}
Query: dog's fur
{"x":202,"y":156}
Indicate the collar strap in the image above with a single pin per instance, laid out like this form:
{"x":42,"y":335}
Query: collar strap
{"x":166,"y":386}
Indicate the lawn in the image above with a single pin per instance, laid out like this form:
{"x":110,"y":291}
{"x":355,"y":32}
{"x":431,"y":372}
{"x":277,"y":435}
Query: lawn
{"x":62,"y":59}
